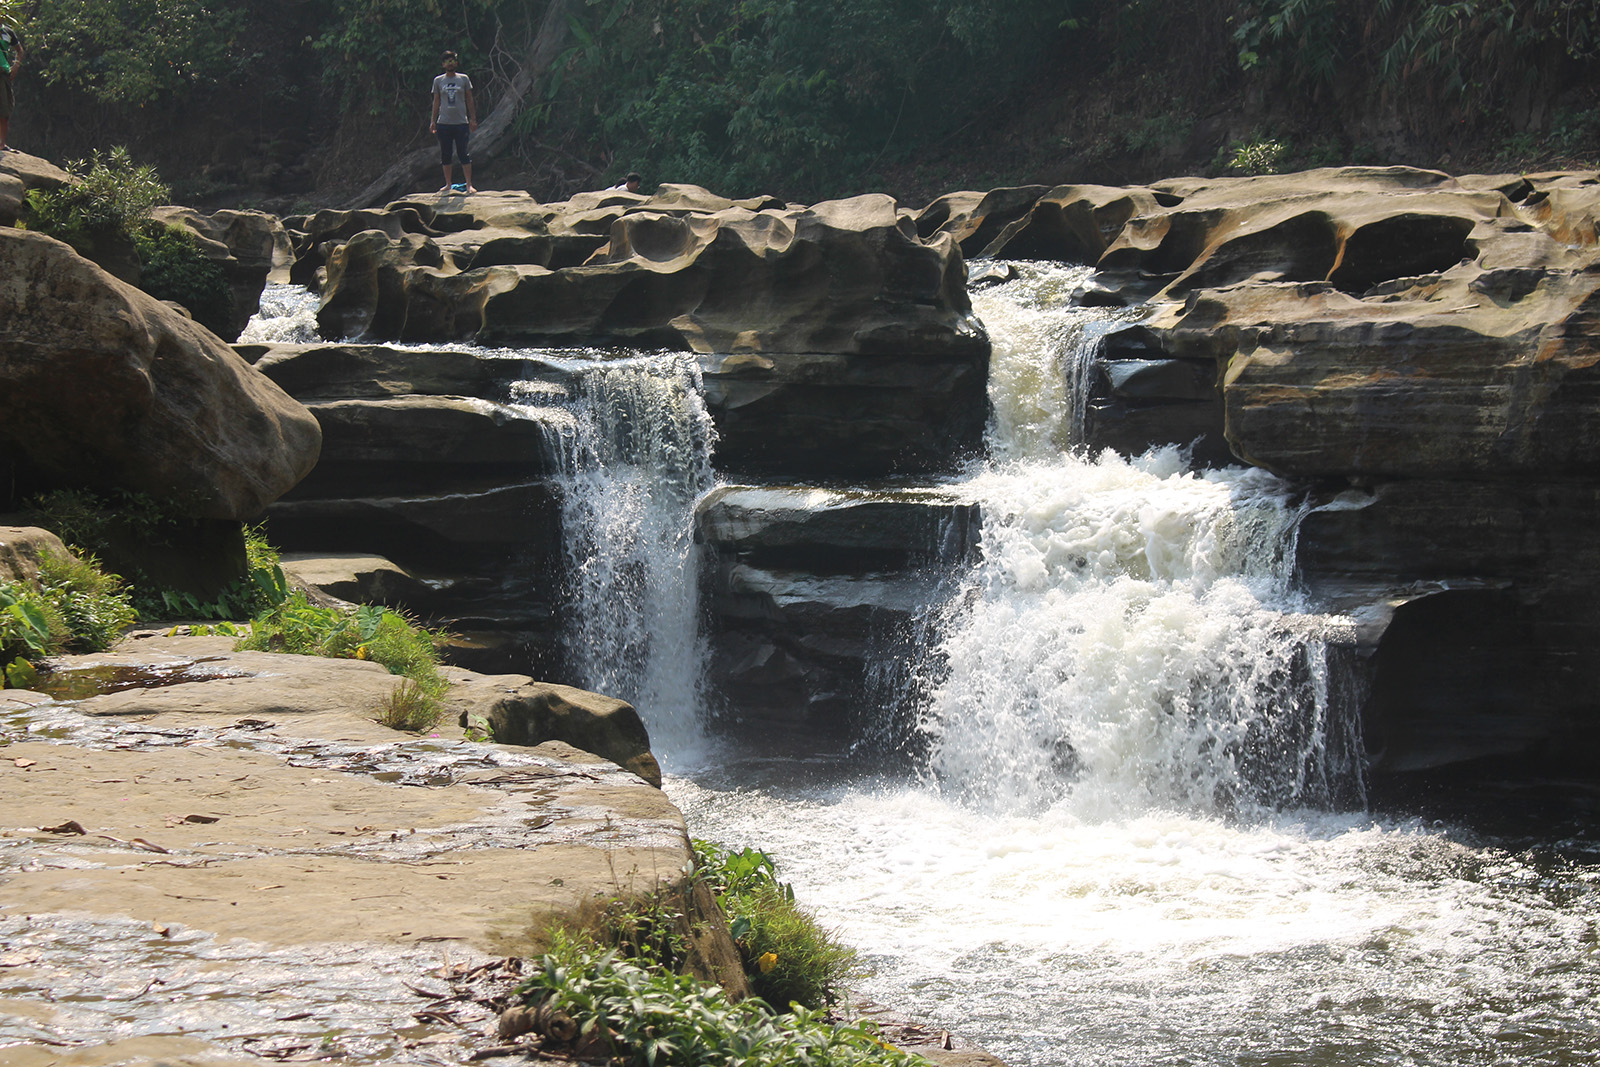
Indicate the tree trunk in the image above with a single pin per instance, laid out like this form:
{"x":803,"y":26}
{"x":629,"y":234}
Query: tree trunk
{"x":493,"y":131}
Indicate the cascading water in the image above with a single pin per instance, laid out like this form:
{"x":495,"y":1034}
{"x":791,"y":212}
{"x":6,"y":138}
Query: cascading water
{"x":1132,"y":636}
{"x":636,"y":463}
{"x":1122,"y":849}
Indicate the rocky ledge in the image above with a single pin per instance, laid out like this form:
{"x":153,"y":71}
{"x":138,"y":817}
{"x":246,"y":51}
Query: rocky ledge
{"x":239,"y":820}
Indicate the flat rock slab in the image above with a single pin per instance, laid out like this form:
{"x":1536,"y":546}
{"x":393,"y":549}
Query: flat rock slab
{"x":215,"y":869}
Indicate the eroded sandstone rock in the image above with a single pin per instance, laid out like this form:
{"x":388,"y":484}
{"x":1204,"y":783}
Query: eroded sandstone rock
{"x":247,"y":245}
{"x":106,"y":388}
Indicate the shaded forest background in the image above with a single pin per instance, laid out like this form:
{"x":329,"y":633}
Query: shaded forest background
{"x":294,"y":104}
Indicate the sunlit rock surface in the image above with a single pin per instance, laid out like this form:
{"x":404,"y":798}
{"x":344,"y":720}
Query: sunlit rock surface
{"x":103,"y":387}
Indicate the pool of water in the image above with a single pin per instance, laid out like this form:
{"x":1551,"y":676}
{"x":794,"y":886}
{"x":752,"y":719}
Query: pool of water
{"x":1165,"y":937}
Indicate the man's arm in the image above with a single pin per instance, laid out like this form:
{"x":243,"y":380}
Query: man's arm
{"x":472,"y":110}
{"x":433,"y":119}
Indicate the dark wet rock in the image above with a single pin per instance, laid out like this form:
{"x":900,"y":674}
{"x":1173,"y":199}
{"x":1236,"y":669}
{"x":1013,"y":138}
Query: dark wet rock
{"x":531,"y":713}
{"x":809,"y":592}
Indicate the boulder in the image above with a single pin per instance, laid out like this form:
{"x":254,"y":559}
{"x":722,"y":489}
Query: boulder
{"x":532,"y":713}
{"x":21,"y":173}
{"x":172,"y":410}
{"x":20,"y":549}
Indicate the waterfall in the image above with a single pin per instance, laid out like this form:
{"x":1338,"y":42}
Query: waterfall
{"x":638,"y":459}
{"x":288,"y":315}
{"x":1132,"y":636}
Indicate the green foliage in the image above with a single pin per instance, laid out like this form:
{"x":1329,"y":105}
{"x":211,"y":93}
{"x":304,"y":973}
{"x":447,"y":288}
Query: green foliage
{"x":24,"y":622}
{"x":111,"y":197}
{"x":652,"y":1018}
{"x":140,"y":52}
{"x":773,"y":95}
{"x":93,"y":522}
{"x":92,"y":606}
{"x":1261,"y":155}
{"x":410,"y":707}
{"x":172,"y":267}
{"x":787,"y":955}
{"x":376,"y":53}
{"x":1466,"y":51}
{"x":73,"y":607}
{"x":369,"y":632}
{"x":87,"y":520}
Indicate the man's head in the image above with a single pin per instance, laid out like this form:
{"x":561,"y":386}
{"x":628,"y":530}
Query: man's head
{"x":449,"y":61}
{"x":631,"y":182}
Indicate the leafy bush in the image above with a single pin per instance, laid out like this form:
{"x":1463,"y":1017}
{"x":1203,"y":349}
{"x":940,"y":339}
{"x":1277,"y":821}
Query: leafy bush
{"x":24,"y":630}
{"x":787,"y":955}
{"x":111,"y":197}
{"x":1263,"y":155}
{"x":370,"y":632}
{"x":652,"y":1018}
{"x":172,"y":267}
{"x":92,"y":607}
{"x":74,"y":607}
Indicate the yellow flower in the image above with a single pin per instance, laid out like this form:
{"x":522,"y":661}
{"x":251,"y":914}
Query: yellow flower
{"x":362,"y":653}
{"x":767,"y":962}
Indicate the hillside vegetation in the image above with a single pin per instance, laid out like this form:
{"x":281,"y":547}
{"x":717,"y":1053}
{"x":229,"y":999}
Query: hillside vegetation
{"x":294,"y":103}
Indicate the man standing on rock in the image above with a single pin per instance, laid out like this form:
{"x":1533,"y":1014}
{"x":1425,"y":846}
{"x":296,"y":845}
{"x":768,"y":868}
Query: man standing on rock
{"x":10,"y":57}
{"x":455,"y":117}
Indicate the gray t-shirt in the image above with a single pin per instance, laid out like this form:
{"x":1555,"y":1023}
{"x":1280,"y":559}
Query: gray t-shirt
{"x":452,"y":90}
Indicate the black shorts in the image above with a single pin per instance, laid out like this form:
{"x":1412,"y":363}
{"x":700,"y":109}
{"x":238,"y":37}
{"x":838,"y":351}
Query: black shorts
{"x":454,"y":136}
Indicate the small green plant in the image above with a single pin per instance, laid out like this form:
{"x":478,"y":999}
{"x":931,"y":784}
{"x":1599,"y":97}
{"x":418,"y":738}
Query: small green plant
{"x":173,"y":267}
{"x":615,"y":1009}
{"x":479,"y":728}
{"x":370,"y":632}
{"x":1263,"y":155}
{"x":787,"y":955}
{"x":92,"y":606}
{"x":409,"y":707}
{"x":24,"y":630}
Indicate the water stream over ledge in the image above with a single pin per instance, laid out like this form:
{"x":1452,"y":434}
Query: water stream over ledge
{"x":1140,"y":835}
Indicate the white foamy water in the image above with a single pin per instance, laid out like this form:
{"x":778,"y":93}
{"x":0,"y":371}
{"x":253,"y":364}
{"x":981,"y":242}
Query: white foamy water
{"x":637,"y":461}
{"x":1175,"y":938}
{"x":288,"y":315}
{"x":1121,"y":848}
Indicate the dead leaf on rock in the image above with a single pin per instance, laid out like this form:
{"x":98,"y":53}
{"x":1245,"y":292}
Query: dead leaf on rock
{"x":25,"y":763}
{"x":199,"y":818}
{"x":18,"y":959}
{"x":71,"y":826}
